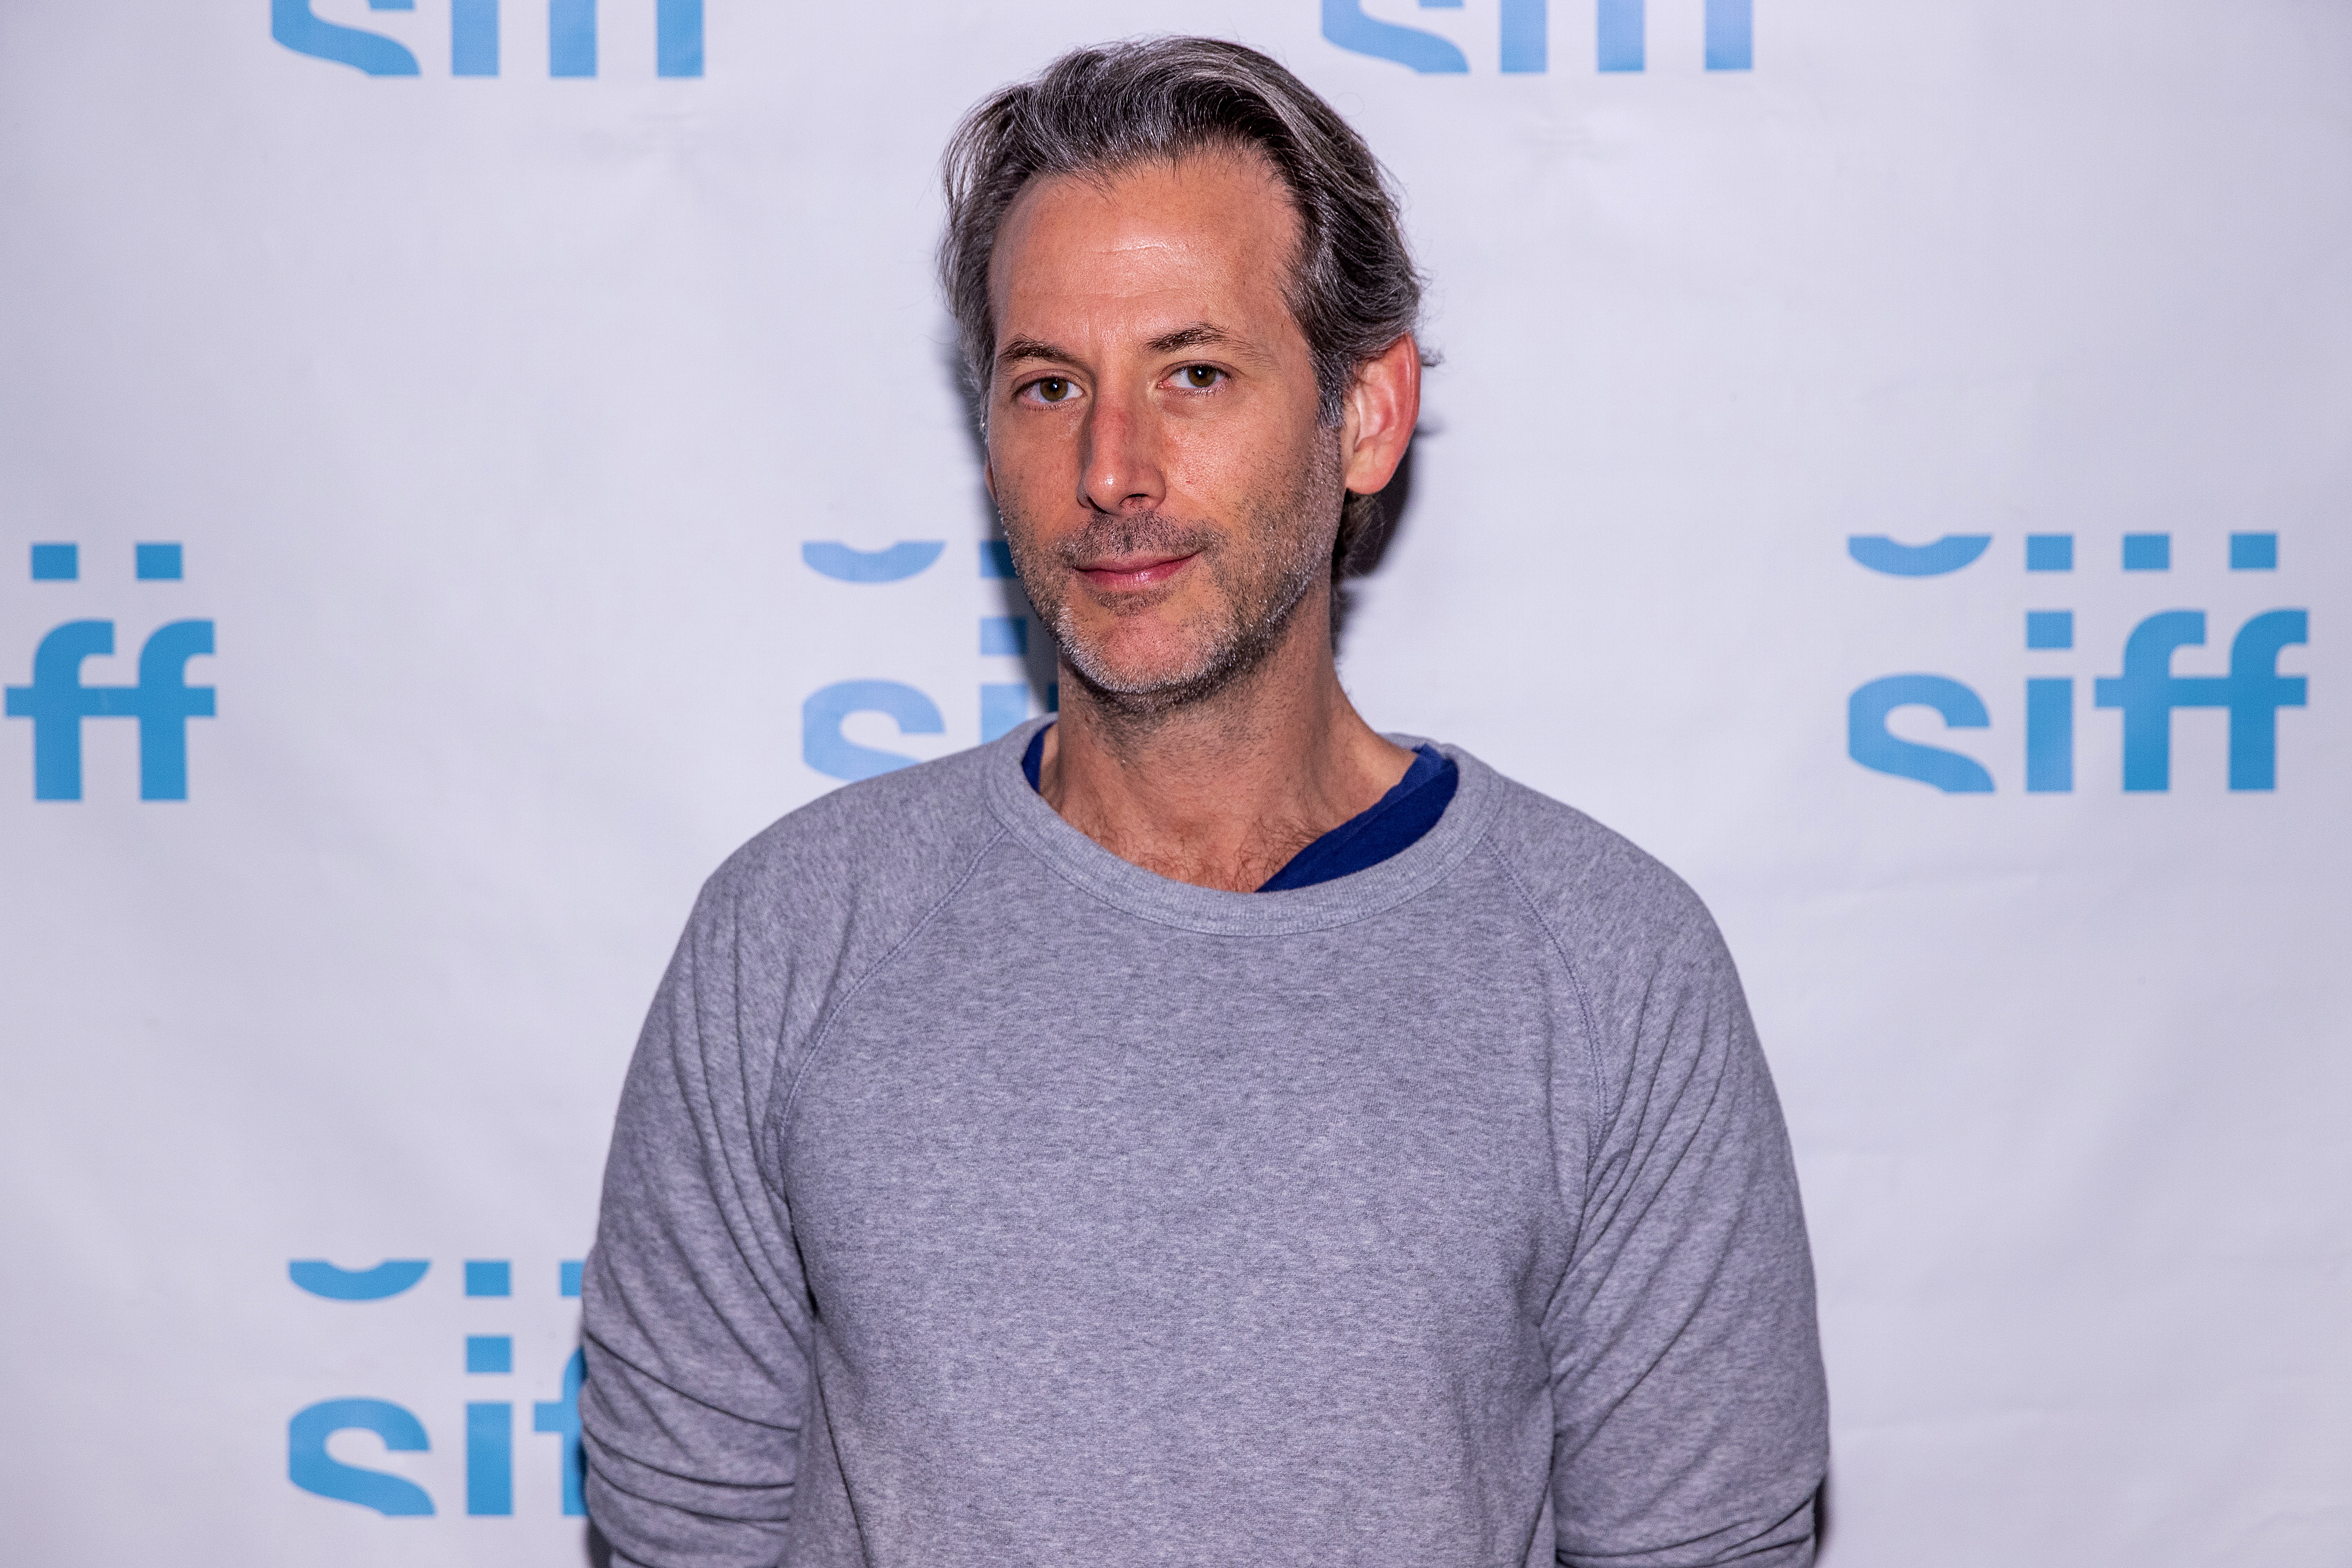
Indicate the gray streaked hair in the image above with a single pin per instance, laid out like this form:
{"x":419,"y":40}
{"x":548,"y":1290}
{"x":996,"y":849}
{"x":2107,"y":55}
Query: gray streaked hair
{"x":1353,"y":288}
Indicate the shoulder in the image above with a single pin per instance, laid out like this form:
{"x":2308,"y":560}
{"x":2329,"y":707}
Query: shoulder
{"x":1660,"y":995}
{"x":1648,"y":966}
{"x":861,"y":865}
{"x":1597,"y":889}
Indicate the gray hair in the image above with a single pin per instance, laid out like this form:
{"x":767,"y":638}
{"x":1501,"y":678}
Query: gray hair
{"x":1353,"y":288}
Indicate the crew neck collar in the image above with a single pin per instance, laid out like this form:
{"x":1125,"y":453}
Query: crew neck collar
{"x":1358,"y":895}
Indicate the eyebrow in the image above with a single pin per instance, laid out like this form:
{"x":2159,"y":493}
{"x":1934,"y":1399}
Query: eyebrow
{"x":1016,"y":350}
{"x":1199,"y":335}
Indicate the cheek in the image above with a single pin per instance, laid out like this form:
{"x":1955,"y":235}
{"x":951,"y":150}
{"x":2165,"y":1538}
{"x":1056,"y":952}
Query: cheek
{"x":1224,"y":467}
{"x":1029,"y":463}
{"x":1243,"y":474}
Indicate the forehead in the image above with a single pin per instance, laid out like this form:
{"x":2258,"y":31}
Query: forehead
{"x":1210,"y":233}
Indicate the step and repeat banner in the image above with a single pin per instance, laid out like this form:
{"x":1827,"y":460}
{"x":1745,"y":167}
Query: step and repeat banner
{"x":465,"y":467}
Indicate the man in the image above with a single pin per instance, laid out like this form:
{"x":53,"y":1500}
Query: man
{"x":1202,"y":1129}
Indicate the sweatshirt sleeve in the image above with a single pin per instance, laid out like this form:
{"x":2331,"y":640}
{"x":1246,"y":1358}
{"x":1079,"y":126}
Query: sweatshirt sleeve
{"x":695,"y":1321}
{"x":1689,"y":1393}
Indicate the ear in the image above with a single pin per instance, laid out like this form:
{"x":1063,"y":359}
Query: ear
{"x":1382,"y":408}
{"x":988,"y":477}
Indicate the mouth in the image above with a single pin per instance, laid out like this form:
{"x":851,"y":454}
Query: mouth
{"x":1133,"y":573}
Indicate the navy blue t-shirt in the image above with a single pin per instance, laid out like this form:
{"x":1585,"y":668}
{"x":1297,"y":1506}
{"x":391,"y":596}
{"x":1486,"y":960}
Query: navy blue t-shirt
{"x":1389,"y":826}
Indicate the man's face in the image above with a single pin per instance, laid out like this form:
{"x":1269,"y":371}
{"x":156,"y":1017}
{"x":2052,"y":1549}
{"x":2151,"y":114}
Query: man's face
{"x":1167,"y":492}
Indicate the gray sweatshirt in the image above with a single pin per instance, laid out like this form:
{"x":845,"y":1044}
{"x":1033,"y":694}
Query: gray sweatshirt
{"x":979,"y":1198}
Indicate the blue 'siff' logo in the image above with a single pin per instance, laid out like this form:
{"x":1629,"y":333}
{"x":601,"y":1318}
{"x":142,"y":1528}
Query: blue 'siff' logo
{"x":490,"y":1423}
{"x":474,"y":38}
{"x":163,"y":702}
{"x":1621,"y":36}
{"x":2145,"y":692}
{"x":1004,"y":705}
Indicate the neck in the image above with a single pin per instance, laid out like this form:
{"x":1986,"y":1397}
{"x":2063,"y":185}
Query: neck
{"x":1222,"y":791}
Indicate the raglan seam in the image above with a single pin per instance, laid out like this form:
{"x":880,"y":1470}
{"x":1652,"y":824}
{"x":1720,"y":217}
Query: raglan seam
{"x":778,"y":1120}
{"x":1583,"y":1008}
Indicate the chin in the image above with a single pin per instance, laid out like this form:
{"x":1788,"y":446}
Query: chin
{"x":1167,"y":655}
{"x":1142,"y":671}
{"x":1154,"y":675}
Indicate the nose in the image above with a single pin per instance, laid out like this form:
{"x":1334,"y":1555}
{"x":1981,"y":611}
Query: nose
{"x":1120,"y":461}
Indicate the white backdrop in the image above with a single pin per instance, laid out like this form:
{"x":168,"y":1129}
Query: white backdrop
{"x":509,"y":417}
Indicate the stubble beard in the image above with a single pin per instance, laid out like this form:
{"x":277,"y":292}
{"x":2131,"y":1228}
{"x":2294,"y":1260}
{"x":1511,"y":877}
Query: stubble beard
{"x":1260,"y":592}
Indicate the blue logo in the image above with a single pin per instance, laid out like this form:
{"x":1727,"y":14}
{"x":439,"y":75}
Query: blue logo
{"x":474,"y":39}
{"x":1004,"y":704}
{"x":163,"y":702}
{"x":1621,"y":36}
{"x":2145,"y":693}
{"x":489,"y":1424}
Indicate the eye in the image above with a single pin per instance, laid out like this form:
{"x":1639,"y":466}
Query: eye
{"x":1199,"y":378}
{"x":1053,"y":388}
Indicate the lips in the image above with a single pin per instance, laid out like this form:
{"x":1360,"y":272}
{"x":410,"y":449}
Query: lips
{"x":1132,"y":573}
